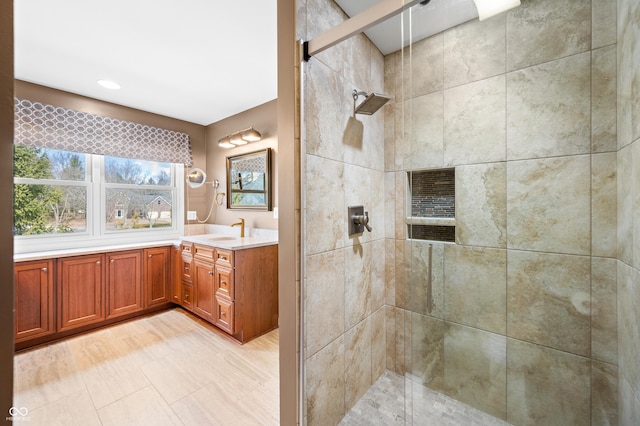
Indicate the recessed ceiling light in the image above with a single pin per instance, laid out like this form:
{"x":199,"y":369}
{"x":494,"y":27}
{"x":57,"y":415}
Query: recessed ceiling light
{"x":109,"y":84}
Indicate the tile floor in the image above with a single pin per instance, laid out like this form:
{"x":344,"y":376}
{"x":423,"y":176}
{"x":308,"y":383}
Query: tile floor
{"x":385,"y":404}
{"x":164,"y":369}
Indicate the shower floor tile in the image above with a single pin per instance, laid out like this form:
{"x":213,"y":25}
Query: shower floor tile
{"x":384,"y":404}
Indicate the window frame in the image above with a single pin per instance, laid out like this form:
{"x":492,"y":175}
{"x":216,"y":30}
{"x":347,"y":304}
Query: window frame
{"x":96,"y":234}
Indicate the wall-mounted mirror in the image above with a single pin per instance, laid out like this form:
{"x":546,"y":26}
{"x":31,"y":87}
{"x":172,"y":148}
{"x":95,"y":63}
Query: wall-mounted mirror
{"x":196,"y":178}
{"x":249,"y":181}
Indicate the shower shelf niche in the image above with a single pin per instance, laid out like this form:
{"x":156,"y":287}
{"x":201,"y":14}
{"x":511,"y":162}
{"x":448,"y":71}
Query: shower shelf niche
{"x":431,"y":201}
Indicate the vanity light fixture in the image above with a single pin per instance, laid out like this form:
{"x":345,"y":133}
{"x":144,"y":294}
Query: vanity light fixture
{"x":238,"y":138}
{"x":108,"y":84}
{"x":489,"y":8}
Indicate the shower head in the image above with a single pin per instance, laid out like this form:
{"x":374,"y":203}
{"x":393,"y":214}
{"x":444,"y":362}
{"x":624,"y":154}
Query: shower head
{"x":372,"y":102}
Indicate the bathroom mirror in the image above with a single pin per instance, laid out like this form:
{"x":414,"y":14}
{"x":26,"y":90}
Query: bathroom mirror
{"x":249,"y":181}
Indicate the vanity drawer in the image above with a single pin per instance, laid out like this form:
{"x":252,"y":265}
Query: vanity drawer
{"x":223,"y":314}
{"x":187,"y":295}
{"x":204,"y":252}
{"x":186,"y":249}
{"x":223,"y":285}
{"x":224,"y":257}
{"x":186,"y":269}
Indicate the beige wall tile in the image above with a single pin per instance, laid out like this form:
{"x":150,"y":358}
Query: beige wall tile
{"x":427,"y":351}
{"x":325,"y":220}
{"x":357,"y":283}
{"x":378,"y":262}
{"x":548,"y":205}
{"x":378,"y":344}
{"x":475,"y":368}
{"x":423,"y":137}
{"x":539,"y":31}
{"x":390,"y":337}
{"x":548,"y":300}
{"x":357,"y":192}
{"x":474,"y":51}
{"x":474,"y":122}
{"x":417,"y":285}
{"x":629,"y":326}
{"x":324,"y":310}
{"x":481,"y":205}
{"x":390,"y":272}
{"x":376,"y":206}
{"x":476,"y":287}
{"x":635,"y":199}
{"x":603,"y":23}
{"x":549,"y":109}
{"x":629,"y":405}
{"x":390,"y":200}
{"x":546,"y":386}
{"x":604,"y":394}
{"x":327,"y":108}
{"x":418,"y":79}
{"x":357,"y":377}
{"x":325,"y":385}
{"x":625,"y":205}
{"x":604,"y":333}
{"x":603,"y":99}
{"x":603,"y":205}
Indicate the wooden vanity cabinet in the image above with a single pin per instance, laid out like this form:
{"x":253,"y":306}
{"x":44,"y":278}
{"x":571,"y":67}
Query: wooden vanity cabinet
{"x":176,"y":275}
{"x":34,"y":299}
{"x":124,"y":283}
{"x":80,"y":291}
{"x":236,"y":290}
{"x":157,"y":275}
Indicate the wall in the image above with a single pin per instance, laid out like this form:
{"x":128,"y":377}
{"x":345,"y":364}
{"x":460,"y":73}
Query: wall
{"x":628,"y":205}
{"x":263,"y":118}
{"x":342,"y":165}
{"x":523,"y":106}
{"x":6,"y":215}
{"x":51,"y":96}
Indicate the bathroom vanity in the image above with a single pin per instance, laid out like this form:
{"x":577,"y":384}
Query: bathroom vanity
{"x":229,"y":281}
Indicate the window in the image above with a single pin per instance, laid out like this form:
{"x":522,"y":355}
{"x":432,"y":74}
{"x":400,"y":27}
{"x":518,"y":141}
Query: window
{"x":66,"y":199}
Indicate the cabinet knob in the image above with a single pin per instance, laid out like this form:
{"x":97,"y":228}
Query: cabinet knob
{"x":45,"y":269}
{"x":186,"y":295}
{"x":223,"y":257}
{"x":150,"y":256}
{"x":98,"y":262}
{"x":223,"y":282}
{"x":186,"y":269}
{"x":113,"y":260}
{"x":223,"y":314}
{"x":210,"y":272}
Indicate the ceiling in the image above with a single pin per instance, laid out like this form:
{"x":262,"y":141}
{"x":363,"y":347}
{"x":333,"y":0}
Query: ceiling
{"x":194,"y":60}
{"x":419,"y":22}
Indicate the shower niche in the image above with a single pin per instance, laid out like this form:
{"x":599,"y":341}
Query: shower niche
{"x":431,"y":205}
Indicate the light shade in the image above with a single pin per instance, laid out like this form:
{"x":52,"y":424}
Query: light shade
{"x":251,"y":135}
{"x":489,"y":8}
{"x":236,"y":139}
{"x":108,"y":84}
{"x":225,"y":143}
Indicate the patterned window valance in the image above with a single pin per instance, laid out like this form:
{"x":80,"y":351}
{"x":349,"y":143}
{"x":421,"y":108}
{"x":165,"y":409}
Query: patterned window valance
{"x":48,"y":126}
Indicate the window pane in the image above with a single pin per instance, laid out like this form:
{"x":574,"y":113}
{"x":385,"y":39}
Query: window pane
{"x":137,"y":209}
{"x":49,"y":209}
{"x":44,"y":163}
{"x":136,"y":172}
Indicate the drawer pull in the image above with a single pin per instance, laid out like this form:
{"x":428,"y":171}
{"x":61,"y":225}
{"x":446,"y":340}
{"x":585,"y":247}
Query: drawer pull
{"x":150,"y":256}
{"x":210,"y":272}
{"x":45,"y":269}
{"x":186,"y":295}
{"x":186,"y":269}
{"x":98,"y":262}
{"x":223,"y":314}
{"x":223,"y":258}
{"x":223,"y":283}
{"x":113,"y":260}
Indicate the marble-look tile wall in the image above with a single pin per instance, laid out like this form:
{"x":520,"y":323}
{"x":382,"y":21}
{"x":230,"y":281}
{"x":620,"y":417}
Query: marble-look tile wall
{"x":628,"y":189}
{"x":343,"y":165}
{"x":525,"y":304}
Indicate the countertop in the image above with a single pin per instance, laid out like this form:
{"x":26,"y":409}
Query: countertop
{"x":229,"y":242}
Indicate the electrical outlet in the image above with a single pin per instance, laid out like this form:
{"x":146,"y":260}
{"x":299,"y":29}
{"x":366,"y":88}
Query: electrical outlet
{"x":275,"y":212}
{"x":191,"y":215}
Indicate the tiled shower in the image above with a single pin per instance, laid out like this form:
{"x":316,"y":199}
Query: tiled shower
{"x":533,"y":314}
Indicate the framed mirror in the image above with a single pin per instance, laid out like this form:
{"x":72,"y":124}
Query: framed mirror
{"x":249,"y":181}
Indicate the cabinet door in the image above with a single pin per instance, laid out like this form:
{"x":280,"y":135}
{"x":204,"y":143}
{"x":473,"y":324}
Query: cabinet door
{"x":124,"y":283}
{"x":80,"y":291}
{"x":156,"y":275}
{"x":33,"y":299}
{"x":176,"y":276}
{"x":203,"y":300}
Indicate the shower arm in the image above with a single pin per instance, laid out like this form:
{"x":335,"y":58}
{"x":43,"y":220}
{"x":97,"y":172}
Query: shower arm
{"x":356,"y":95}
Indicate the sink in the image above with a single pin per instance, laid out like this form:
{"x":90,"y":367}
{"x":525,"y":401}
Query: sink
{"x":222,"y":238}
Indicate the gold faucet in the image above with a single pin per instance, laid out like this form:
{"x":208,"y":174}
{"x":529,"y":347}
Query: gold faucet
{"x":241,"y":223}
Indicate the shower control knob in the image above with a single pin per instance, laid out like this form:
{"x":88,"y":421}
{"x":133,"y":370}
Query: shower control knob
{"x":362,"y":220}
